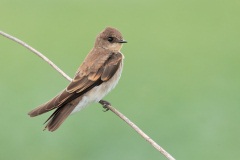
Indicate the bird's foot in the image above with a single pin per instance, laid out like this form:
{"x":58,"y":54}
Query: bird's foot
{"x":104,"y":105}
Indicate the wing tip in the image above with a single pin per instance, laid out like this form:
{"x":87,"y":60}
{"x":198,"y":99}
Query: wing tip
{"x":32,"y":113}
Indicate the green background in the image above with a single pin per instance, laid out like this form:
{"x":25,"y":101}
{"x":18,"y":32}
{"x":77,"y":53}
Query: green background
{"x":180,"y":84}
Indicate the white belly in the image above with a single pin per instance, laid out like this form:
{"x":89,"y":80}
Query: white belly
{"x":98,"y":92}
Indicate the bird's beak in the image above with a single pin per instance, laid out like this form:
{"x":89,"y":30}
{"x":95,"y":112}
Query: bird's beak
{"x":122,"y":41}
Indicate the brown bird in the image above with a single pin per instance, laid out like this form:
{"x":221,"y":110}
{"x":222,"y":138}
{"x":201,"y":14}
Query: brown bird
{"x":97,"y":75}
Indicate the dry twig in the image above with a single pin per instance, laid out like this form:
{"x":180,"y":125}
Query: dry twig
{"x":119,"y":114}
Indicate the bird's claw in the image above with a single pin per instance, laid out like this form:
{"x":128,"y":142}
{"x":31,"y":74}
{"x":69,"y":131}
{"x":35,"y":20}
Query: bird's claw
{"x":105,"y":105}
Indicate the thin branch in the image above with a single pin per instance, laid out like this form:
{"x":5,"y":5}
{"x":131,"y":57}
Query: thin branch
{"x":139,"y":131}
{"x":119,"y":114}
{"x":37,"y":53}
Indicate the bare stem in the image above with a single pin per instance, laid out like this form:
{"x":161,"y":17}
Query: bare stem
{"x":139,"y":131}
{"x":37,"y":53}
{"x":119,"y":114}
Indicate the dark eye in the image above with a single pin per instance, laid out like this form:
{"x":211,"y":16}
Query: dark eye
{"x":110,"y":39}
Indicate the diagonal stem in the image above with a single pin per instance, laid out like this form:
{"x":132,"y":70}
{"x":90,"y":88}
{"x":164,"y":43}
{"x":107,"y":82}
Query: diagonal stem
{"x":139,"y":131}
{"x":37,"y":53}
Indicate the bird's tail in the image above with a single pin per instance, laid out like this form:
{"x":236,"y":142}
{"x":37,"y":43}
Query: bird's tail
{"x":58,"y":117}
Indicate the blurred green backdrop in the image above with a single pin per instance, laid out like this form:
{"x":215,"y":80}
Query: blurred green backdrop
{"x":180,"y":83}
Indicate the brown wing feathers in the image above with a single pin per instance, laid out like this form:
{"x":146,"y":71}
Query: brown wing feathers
{"x":50,"y":105}
{"x":111,"y":67}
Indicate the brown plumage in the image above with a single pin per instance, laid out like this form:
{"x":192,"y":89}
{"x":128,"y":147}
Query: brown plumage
{"x":98,"y":74}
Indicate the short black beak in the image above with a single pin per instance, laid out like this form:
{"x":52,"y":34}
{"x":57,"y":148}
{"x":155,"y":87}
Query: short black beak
{"x":122,"y":41}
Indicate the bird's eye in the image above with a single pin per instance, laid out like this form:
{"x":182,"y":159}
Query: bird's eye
{"x":110,"y":39}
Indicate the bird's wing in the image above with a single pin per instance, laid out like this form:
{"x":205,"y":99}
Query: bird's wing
{"x":98,"y":72}
{"x":90,"y":74}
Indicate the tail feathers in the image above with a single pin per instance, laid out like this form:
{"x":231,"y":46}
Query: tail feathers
{"x":60,"y":115}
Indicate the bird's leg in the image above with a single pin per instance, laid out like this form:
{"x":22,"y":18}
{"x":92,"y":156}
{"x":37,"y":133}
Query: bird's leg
{"x":105,"y":104}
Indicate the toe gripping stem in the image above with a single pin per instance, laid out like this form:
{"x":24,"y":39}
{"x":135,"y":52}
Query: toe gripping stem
{"x":105,"y":105}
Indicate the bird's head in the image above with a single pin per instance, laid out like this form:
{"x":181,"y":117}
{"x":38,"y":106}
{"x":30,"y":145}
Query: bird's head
{"x":111,"y":39}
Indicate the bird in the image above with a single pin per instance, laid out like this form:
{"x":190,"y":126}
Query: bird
{"x":98,"y":74}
